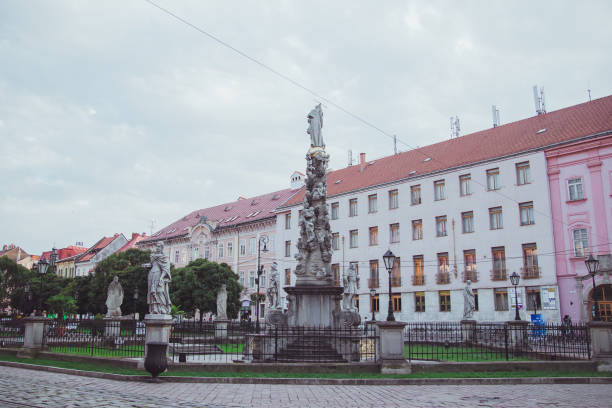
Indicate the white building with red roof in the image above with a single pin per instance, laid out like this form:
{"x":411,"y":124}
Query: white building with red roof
{"x":105,"y":247}
{"x":476,"y":208}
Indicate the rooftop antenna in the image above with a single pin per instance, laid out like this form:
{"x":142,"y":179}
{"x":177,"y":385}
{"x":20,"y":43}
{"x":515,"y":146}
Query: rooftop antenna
{"x":454,"y":125}
{"x":538,"y":99}
{"x":394,"y":144}
{"x":350,"y":157}
{"x":152,"y":226}
{"x":495,"y":113}
{"x":589,"y":91}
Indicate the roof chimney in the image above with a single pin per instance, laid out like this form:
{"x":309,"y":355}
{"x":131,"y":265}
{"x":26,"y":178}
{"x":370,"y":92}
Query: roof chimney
{"x":362,"y":161}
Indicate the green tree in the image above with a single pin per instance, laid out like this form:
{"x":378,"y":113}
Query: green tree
{"x":61,"y":305}
{"x":13,"y":278}
{"x":196,"y":285}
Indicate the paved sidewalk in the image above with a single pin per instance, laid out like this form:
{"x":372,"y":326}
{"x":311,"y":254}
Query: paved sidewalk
{"x":29,"y":388}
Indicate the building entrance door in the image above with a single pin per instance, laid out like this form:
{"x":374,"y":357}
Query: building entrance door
{"x":603,"y":295}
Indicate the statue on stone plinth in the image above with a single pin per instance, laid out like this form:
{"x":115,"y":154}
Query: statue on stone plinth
{"x":315,"y":123}
{"x":158,"y":293}
{"x":114,"y":298}
{"x":350,"y":289}
{"x":469,"y":302}
{"x":273,"y":288}
{"x":222,"y":303}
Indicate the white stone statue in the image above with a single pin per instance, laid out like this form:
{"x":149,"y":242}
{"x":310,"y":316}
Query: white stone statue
{"x":350,"y":289}
{"x":158,"y":293}
{"x":469,"y":302}
{"x":222,"y":303}
{"x":273,"y":289}
{"x":315,"y":124}
{"x":114,"y":298}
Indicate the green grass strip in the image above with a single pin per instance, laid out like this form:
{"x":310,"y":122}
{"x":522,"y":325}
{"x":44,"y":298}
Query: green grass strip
{"x":456,"y":354}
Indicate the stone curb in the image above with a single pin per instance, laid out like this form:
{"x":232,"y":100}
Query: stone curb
{"x":319,"y":381}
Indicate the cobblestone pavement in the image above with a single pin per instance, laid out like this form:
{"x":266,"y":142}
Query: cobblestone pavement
{"x":29,"y":388}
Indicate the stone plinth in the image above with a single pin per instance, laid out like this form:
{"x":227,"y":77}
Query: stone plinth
{"x":276,"y":318}
{"x":390,"y":348}
{"x":601,"y":344}
{"x":314,"y":306}
{"x":112,"y":326}
{"x":34,"y":327}
{"x":468,"y":331}
{"x":158,"y":327}
{"x":221,"y":328}
{"x":518,"y":334}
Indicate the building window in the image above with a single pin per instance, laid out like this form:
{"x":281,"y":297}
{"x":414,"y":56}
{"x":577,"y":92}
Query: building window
{"x":220,"y":250}
{"x":242,"y":247}
{"x":417,"y":230}
{"x":287,"y":248}
{"x":534,"y":300}
{"x":499,"y":264}
{"x":288,"y":276}
{"x":439,"y":190}
{"x":335,"y":241}
{"x":493,"y":181}
{"x":354,"y":238}
{"x":207,"y":252}
{"x":230,"y":249}
{"x":395,"y":232}
{"x":581,"y":242}
{"x":374,"y":304}
{"x":176,"y":256}
{"x":334,"y":211}
{"x":355,"y":266}
{"x":353,"y":207}
{"x":251,"y":279}
{"x":419,"y":301}
{"x":441,"y":226}
{"x":526,"y":211}
{"x":445,"y":301}
{"x":467,"y":222}
{"x":415,"y":194}
{"x":469,"y":259}
{"x":373,"y":281}
{"x":443,"y":276}
{"x":335,"y":269}
{"x":523,"y":174}
{"x":396,"y":300}
{"x":396,"y":274}
{"x":241,"y":278}
{"x":465,"y":187}
{"x":373,"y":236}
{"x":495,"y":218}
{"x":501,"y":299}
{"x":530,"y":262}
{"x":252,"y":246}
{"x":393,"y":199}
{"x":419,"y":270}
{"x":575,"y":189}
{"x":288,"y":221}
{"x":475,"y":292}
{"x":372,"y":203}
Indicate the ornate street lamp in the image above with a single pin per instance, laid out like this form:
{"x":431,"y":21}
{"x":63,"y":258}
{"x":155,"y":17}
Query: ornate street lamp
{"x":592,"y":265}
{"x":262,"y":240}
{"x":27,"y":296}
{"x":43,"y":265}
{"x":514,"y":279}
{"x":372,"y":294}
{"x":389,"y":260}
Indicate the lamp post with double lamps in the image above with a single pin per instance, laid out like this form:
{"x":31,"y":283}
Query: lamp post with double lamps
{"x":43,"y":265}
{"x":263,"y":240}
{"x":592,"y":265}
{"x":514,"y":279}
{"x":389,"y":260}
{"x":372,"y":294}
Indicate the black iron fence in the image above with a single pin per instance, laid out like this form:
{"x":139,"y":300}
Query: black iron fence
{"x":495,"y":342}
{"x":11,"y":332}
{"x":102,"y":338}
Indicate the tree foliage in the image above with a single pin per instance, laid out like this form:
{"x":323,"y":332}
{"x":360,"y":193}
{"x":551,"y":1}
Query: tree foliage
{"x":195,"y":286}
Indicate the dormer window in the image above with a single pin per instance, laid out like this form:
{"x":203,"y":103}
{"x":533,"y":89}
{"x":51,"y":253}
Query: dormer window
{"x":254,"y":202}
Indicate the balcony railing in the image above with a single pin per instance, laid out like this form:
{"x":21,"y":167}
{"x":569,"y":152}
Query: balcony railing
{"x":530,"y":272}
{"x":373,"y":283}
{"x":418,"y":280}
{"x":443,"y":278}
{"x":470,"y":275}
{"x":396,"y":281}
{"x":499,"y":274}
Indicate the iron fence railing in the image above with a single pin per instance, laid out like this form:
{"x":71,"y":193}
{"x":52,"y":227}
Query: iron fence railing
{"x":444,"y":341}
{"x":102,"y":338}
{"x":11,"y":332}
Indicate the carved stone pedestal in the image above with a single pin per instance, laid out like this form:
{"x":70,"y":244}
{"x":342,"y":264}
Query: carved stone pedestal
{"x":390,"y":348}
{"x":158,"y":329}
{"x":468,"y":331}
{"x":601,"y":344}
{"x":276,"y":318}
{"x":32,"y":336}
{"x":314,"y":306}
{"x":221,"y":328}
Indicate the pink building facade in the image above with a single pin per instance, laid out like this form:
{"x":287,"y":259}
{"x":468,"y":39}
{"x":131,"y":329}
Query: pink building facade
{"x":580,"y":180}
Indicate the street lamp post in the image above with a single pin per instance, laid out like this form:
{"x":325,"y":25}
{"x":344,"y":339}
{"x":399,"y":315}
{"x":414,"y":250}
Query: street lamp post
{"x":389,"y":260}
{"x":76,"y":303}
{"x":592,"y":265}
{"x":43,"y":265}
{"x":135,"y":301}
{"x":372,"y":294}
{"x":262,"y":240}
{"x":514,"y":279}
{"x":27,"y":296}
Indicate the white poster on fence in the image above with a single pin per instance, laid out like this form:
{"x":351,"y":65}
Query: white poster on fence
{"x":548,"y":295}
{"x":513,"y":297}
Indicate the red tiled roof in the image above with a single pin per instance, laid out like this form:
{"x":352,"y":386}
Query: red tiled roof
{"x":229,"y":214}
{"x":563,"y":125}
{"x":64,"y":253}
{"x":132,"y":242}
{"x":96,"y":248}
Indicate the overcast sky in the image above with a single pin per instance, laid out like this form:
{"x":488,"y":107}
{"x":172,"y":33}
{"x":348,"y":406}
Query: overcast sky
{"x":114,"y":114}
